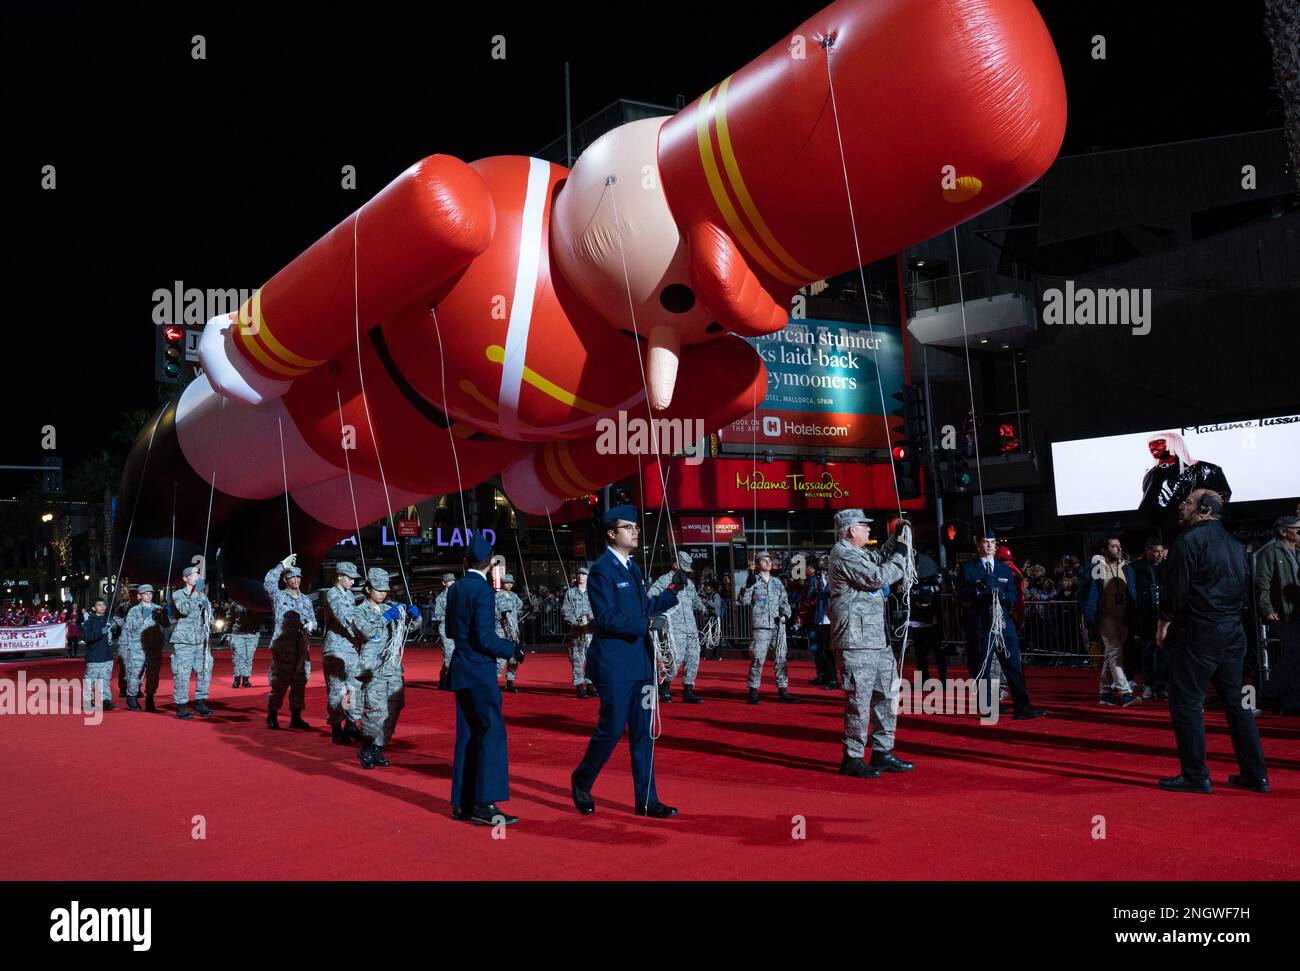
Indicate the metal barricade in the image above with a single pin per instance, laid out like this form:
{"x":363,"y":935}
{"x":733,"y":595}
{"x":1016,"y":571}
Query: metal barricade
{"x":1054,"y":633}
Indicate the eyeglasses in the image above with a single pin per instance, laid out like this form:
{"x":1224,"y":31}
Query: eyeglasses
{"x":632,"y":526}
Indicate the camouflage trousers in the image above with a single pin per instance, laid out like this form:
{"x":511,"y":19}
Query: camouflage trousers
{"x":187,"y":658}
{"x":341,"y":678}
{"x":147,"y":662}
{"x":384,"y":697}
{"x":579,"y":641}
{"x":510,"y":667}
{"x":686,"y":650}
{"x":128,"y":656}
{"x":290,"y":667}
{"x":868,"y":678}
{"x":765,"y":639}
{"x":448,"y":649}
{"x":242,"y":647}
{"x":97,"y":672}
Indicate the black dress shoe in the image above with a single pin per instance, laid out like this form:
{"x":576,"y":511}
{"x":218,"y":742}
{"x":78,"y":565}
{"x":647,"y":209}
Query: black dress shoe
{"x":857,"y":768}
{"x":830,"y":686}
{"x":459,"y":815}
{"x":148,"y":704}
{"x":665,"y":695}
{"x":1026,"y":713}
{"x":656,"y":810}
{"x":820,"y":679}
{"x":785,"y":697}
{"x":582,"y":800}
{"x":491,"y":815}
{"x":1180,"y":783}
{"x":295,"y":720}
{"x":889,"y":762}
{"x":1248,"y":782}
{"x":272,"y":720}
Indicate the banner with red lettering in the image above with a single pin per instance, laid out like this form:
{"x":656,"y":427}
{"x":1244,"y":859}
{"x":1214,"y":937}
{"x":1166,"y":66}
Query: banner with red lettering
{"x":42,"y":637}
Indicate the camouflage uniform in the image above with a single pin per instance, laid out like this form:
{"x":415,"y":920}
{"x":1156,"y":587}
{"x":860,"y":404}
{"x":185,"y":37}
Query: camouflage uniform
{"x":290,"y":655}
{"x":141,"y":644}
{"x":768,"y":602}
{"x":340,"y":656}
{"x":190,"y":645}
{"x":440,"y":624}
{"x":384,"y":692}
{"x":576,"y":605}
{"x":686,"y":633}
{"x":242,"y":625}
{"x":508,"y":602}
{"x":101,"y":672}
{"x":855,"y":579}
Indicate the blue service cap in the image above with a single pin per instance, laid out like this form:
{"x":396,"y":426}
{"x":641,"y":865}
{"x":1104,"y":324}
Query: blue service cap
{"x":479,"y":549}
{"x":616,"y":513}
{"x":986,"y":533}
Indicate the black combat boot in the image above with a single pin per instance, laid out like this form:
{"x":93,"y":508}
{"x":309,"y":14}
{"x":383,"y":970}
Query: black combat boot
{"x":272,"y":718}
{"x":442,"y":678}
{"x":753,"y":697}
{"x":247,"y":683}
{"x":785,"y":697}
{"x":366,"y":755}
{"x":148,"y":703}
{"x":295,"y":720}
{"x":201,"y":707}
{"x":666,"y":693}
{"x":377,"y":754}
{"x":337,"y":735}
{"x":350,"y":733}
{"x":236,"y":684}
{"x":132,"y":704}
{"x":510,"y":687}
{"x":689,"y":696}
{"x":857,"y":768}
{"x":581,"y":690}
{"x":183,"y":711}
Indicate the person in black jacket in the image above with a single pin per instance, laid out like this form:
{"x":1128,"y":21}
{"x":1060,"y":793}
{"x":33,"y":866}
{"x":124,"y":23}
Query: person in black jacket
{"x":96,"y":635}
{"x":1200,"y":630}
{"x":1147,"y":572}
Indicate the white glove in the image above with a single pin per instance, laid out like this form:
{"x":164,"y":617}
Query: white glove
{"x":289,"y":560}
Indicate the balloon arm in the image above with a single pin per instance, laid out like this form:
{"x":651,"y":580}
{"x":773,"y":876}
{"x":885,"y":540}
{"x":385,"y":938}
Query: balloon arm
{"x":727,"y":286}
{"x":661,"y":365}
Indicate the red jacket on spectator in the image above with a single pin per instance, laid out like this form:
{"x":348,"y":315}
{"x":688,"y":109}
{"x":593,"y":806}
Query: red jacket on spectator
{"x":1004,"y":554}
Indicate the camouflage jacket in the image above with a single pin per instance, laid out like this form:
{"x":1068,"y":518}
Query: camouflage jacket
{"x":856,"y":579}
{"x":294,"y":615}
{"x":194,"y":617}
{"x":767,"y":600}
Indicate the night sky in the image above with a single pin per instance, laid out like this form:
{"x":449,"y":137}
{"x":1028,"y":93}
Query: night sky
{"x":219,"y":172}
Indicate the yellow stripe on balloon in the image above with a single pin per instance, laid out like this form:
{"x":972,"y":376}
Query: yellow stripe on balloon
{"x":566,"y":462}
{"x":558,"y":477}
{"x":720,"y":198}
{"x":497,"y":354}
{"x":746,"y":200}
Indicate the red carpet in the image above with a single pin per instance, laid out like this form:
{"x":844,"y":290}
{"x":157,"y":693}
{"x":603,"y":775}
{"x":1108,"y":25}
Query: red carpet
{"x":1016,"y":800}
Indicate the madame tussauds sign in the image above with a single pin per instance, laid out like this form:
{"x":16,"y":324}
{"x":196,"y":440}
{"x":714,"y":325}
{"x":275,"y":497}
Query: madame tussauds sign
{"x":824,"y":486}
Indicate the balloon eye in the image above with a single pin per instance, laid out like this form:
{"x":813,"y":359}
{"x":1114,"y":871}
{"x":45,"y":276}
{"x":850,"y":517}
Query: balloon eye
{"x":677,"y":298}
{"x":713,"y":328}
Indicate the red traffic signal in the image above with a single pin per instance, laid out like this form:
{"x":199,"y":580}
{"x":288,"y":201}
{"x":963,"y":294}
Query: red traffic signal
{"x":902,"y":453}
{"x":173,"y":333}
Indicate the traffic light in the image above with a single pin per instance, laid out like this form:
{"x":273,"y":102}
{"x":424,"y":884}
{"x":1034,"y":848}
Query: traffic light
{"x":955,"y":534}
{"x":957,"y":475}
{"x":170,"y":353}
{"x":915,"y":432}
